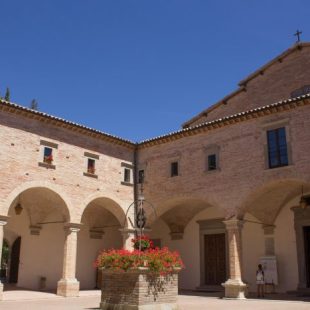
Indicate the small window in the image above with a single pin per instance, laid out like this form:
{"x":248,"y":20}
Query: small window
{"x":277,"y":148}
{"x":174,"y":169}
{"x":91,"y":166}
{"x":127,"y":175}
{"x":141,"y":176}
{"x":48,"y":155}
{"x":212,"y":162}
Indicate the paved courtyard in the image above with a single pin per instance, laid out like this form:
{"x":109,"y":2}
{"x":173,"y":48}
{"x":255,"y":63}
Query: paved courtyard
{"x":89,"y":300}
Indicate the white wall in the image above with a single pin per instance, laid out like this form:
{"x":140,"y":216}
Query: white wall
{"x":88,"y":250}
{"x":253,"y":247}
{"x":40,"y":256}
{"x":188,"y":247}
{"x":286,"y":251}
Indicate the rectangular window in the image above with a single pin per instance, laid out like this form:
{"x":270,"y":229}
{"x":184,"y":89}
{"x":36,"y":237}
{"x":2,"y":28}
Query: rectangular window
{"x":212,"y":162}
{"x":48,"y":155}
{"x":174,"y":169}
{"x":127,"y":175}
{"x":277,"y":148}
{"x":91,"y":166}
{"x":141,"y":176}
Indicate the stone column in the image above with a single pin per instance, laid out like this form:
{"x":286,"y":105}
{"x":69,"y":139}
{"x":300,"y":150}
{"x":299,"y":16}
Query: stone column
{"x":234,"y":287}
{"x":3,"y":221}
{"x":69,"y":286}
{"x":128,"y":234}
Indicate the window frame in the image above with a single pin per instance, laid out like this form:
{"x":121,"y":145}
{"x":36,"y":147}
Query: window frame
{"x":176,"y":173}
{"x":209,"y":150}
{"x":272,"y":124}
{"x":43,"y":162}
{"x":88,"y":157}
{"x":281,"y":155}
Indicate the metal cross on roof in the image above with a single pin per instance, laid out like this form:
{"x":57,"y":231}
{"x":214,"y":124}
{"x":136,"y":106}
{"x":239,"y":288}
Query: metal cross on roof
{"x":298,"y":33}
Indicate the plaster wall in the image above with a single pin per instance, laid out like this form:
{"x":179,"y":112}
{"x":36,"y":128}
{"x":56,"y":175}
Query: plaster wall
{"x":88,"y":250}
{"x":40,"y":256}
{"x":188,"y":247}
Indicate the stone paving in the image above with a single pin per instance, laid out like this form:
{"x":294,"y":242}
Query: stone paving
{"x":89,"y":300}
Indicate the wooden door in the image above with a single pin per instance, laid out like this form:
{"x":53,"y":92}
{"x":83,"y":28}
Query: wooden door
{"x":15,"y":261}
{"x":215,"y":259}
{"x":307,"y":253}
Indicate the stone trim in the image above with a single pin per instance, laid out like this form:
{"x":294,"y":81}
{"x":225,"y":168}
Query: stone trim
{"x":46,"y":165}
{"x":49,"y":144}
{"x":91,"y":175}
{"x":91,"y":155}
{"x":127,"y":165}
{"x":60,"y":122}
{"x":207,"y":227}
{"x":281,"y":106}
{"x":127,"y":183}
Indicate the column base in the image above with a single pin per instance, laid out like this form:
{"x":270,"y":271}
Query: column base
{"x":235,"y":289}
{"x":1,"y":291}
{"x":68,"y":288}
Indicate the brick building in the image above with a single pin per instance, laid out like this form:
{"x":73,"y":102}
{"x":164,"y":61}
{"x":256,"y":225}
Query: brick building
{"x":230,"y":189}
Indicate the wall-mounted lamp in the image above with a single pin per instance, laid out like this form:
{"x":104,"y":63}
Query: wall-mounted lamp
{"x":304,"y":201}
{"x":18,"y":208}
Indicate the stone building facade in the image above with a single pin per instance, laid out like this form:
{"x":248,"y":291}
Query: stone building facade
{"x":230,"y":189}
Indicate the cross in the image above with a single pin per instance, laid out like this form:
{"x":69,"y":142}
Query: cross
{"x":298,"y":33}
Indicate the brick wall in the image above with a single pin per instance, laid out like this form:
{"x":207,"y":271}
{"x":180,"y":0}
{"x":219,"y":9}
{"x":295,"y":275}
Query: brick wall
{"x":138,"y":287}
{"x":274,"y":84}
{"x":21,"y":153}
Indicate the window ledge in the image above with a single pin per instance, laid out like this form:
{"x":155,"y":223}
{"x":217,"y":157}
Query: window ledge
{"x":47,"y":166}
{"x":91,"y":175}
{"x":212,"y":171}
{"x":280,"y":167}
{"x":127,"y":183}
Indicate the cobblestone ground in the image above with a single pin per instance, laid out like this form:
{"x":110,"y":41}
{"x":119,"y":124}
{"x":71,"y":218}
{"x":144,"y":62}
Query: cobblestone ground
{"x":90,"y":301}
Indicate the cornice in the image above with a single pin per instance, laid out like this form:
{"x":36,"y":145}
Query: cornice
{"x":277,"y":107}
{"x":60,"y":122}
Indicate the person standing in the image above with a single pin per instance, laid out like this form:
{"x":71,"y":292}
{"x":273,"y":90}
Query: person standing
{"x":260,"y":281}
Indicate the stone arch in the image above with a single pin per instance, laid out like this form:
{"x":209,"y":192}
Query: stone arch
{"x":266,"y":202}
{"x":177,"y":212}
{"x":110,"y":204}
{"x":11,"y":198}
{"x":102,"y":219}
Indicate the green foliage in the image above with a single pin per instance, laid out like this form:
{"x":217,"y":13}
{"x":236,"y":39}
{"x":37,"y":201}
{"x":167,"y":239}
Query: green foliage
{"x":5,"y":254}
{"x":34,"y":104}
{"x":7,"y":94}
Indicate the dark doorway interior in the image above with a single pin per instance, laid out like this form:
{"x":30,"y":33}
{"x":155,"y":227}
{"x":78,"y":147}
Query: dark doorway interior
{"x":215,"y":259}
{"x":307,"y":253}
{"x":15,"y":261}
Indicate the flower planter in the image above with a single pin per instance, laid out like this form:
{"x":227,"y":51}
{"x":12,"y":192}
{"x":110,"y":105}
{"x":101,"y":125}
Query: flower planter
{"x":138,"y":289}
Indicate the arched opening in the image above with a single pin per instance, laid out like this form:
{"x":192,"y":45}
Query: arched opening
{"x":273,"y":236}
{"x":5,"y":261}
{"x":102,"y":220}
{"x":195,"y":228}
{"x":35,"y":229}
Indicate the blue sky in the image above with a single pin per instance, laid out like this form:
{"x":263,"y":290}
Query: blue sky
{"x":138,"y":68}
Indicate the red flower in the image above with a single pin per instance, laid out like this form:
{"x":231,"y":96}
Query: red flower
{"x":157,"y":260}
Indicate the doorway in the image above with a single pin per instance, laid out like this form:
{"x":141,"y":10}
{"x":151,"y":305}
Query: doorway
{"x":15,"y":261}
{"x":307,"y":253}
{"x":215,"y":259}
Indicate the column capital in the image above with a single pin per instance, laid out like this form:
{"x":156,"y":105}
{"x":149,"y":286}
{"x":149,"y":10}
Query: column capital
{"x":73,"y":227}
{"x":3,"y":220}
{"x":233,"y":223}
{"x":127,"y":231}
{"x":268,"y":229}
